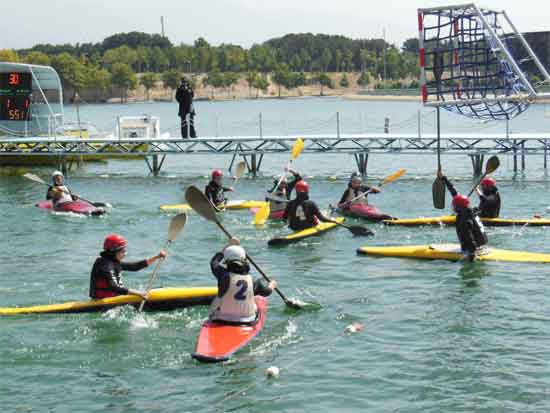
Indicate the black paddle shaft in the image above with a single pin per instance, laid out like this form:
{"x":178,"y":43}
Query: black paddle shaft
{"x":263,"y":274}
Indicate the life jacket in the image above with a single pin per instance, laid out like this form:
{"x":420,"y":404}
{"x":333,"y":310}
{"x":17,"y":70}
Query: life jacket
{"x":354,"y":193}
{"x":489,"y":204}
{"x":215,"y":193}
{"x":102,"y":289}
{"x":99,"y":285}
{"x":237,"y":305}
{"x":65,"y":195}
{"x":301,"y":214}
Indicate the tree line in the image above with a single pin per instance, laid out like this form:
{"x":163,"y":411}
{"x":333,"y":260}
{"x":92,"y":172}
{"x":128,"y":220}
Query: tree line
{"x":288,"y":60}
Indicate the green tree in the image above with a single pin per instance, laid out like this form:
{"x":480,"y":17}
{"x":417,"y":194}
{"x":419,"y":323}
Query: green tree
{"x":324,"y":80}
{"x":281,"y":77}
{"x":8,"y":55}
{"x":72,"y":73}
{"x":344,"y":82}
{"x":124,"y":78}
{"x":38,"y":58}
{"x":364,"y":79}
{"x":122,"y":54}
{"x":215,"y":80}
{"x":326,"y":59}
{"x":229,"y":79}
{"x":250,"y":79}
{"x":148,"y":80}
{"x":98,"y":80}
{"x":261,"y":83}
{"x":171,"y":80}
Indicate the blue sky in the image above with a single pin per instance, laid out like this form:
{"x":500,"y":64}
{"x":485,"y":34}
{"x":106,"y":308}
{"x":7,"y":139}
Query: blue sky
{"x":242,"y":22}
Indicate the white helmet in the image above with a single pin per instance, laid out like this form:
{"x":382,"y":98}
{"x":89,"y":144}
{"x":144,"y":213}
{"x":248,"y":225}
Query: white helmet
{"x":57,"y":173}
{"x":234,"y":253}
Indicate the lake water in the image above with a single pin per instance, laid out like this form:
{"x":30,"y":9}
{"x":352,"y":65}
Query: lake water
{"x":438,"y":336}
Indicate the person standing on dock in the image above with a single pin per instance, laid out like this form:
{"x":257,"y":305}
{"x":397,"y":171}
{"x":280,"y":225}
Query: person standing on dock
{"x":105,"y":279}
{"x":184,"y":96}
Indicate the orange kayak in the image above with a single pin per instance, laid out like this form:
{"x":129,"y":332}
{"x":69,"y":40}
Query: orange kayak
{"x":218,"y":341}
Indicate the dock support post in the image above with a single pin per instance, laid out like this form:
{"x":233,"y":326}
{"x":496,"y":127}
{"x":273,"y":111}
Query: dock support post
{"x":477,"y":163}
{"x":253,"y":165}
{"x":362,"y":161}
{"x":156,"y":166}
{"x":515,"y":150}
{"x":545,"y":153}
{"x":523,"y":156}
{"x":63,"y":166}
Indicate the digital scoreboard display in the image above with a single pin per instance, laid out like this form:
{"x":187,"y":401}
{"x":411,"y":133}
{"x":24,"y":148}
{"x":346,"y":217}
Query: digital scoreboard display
{"x":15,"y":96}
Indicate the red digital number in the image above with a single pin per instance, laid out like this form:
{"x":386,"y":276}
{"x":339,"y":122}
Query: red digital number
{"x":14,"y":79}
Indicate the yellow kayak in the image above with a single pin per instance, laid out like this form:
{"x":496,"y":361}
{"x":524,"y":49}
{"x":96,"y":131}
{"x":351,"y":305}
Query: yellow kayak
{"x":451,"y":219}
{"x":159,"y":299}
{"x":230,"y":205}
{"x":452,"y":252}
{"x":306,"y":233}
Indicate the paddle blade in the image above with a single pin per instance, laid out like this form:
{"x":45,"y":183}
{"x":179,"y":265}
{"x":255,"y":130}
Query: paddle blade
{"x":393,"y":176}
{"x":200,"y":203}
{"x":297,"y":148}
{"x":176,"y":225}
{"x":275,"y":198}
{"x":492,"y":165}
{"x":261,"y":216}
{"x":438,"y":193}
{"x":239,"y":171}
{"x":35,"y":178}
{"x":359,"y":231}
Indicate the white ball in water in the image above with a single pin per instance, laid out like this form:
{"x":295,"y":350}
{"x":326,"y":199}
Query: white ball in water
{"x":354,"y":328}
{"x":272,"y":372}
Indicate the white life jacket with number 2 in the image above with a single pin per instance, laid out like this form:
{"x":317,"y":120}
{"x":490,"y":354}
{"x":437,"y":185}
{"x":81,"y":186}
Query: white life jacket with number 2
{"x":237,"y":304}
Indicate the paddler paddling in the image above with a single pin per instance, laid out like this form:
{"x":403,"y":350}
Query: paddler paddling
{"x":282,"y":188}
{"x":301,"y":212}
{"x":105,"y":280}
{"x":215,"y":191}
{"x":59,"y":193}
{"x":469,"y":228}
{"x":352,"y":195}
{"x":236,"y":289}
{"x":489,"y":198}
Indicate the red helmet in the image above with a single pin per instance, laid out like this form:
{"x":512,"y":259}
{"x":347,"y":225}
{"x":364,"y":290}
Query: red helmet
{"x":488,"y":182}
{"x":114,"y":243}
{"x":217,"y":173}
{"x":302,"y":187}
{"x":461,"y":201}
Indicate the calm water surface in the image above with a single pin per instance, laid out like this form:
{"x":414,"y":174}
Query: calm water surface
{"x":438,"y":336}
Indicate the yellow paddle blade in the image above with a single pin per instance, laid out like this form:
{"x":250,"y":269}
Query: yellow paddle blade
{"x":297,"y":148}
{"x":262,"y":214}
{"x":393,"y":176}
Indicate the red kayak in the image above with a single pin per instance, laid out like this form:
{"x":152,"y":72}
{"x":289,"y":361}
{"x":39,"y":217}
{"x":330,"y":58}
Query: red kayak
{"x":369,"y":212}
{"x":218,"y":341}
{"x":276,"y":215}
{"x":77,"y":207}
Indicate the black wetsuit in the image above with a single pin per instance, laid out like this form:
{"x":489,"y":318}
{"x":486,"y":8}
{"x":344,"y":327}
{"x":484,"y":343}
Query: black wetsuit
{"x":216,"y":193}
{"x":301,"y":213}
{"x":489,"y":203}
{"x":105,"y":279}
{"x":469,"y":228}
{"x":184,"y":96}
{"x":222,"y":274}
{"x":356,"y":192}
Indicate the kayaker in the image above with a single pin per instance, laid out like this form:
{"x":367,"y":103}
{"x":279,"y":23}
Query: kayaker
{"x":282,"y":188}
{"x":469,"y":228}
{"x":236,"y":289}
{"x":489,"y":198}
{"x":215,"y":191}
{"x":301,"y":212}
{"x":105,"y":279}
{"x":354,"y":190}
{"x":58,"y":192}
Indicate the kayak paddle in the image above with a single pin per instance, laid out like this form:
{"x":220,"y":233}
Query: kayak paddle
{"x":385,"y":181}
{"x":491,"y":166}
{"x":39,"y":180}
{"x":356,"y":230}
{"x":176,"y":225}
{"x":438,"y":186}
{"x":241,"y":167}
{"x":202,"y":205}
{"x":263,"y":213}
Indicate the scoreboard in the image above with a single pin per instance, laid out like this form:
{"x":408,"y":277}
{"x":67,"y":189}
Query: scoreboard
{"x":15,"y":96}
